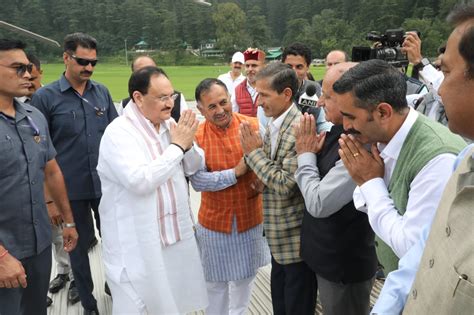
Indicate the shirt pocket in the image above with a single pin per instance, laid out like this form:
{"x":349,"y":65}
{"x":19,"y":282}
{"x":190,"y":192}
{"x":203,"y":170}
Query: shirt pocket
{"x":101,"y":121}
{"x":9,"y":162}
{"x":67,"y":123}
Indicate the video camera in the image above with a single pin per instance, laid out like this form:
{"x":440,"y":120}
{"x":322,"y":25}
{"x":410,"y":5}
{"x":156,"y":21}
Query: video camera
{"x":388,"y":48}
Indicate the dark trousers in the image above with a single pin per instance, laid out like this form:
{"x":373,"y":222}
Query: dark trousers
{"x":81,"y":210}
{"x":32,"y":299}
{"x":345,"y":299}
{"x":294,"y":289}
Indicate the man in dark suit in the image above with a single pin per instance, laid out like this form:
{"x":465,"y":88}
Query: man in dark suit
{"x":337,"y":241}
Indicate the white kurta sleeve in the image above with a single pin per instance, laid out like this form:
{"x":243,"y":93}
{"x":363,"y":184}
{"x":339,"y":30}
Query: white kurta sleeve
{"x":124,"y":159}
{"x":193,"y":160}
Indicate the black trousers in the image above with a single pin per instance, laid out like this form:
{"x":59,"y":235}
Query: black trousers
{"x":80,"y":265}
{"x":294,"y":289}
{"x":32,"y":299}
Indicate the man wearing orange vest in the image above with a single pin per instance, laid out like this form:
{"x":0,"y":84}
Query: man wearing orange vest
{"x":244,"y":98}
{"x":230,"y":230}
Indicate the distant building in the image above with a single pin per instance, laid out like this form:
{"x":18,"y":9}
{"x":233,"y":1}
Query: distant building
{"x":208,"y":49}
{"x":141,"y":46}
{"x":273,"y":53}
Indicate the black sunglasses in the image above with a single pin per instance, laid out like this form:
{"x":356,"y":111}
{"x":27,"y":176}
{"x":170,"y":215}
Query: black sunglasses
{"x":84,"y":62}
{"x":21,"y":68}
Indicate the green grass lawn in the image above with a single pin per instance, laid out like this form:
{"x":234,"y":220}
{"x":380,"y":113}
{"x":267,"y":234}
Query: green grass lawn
{"x":184,"y":78}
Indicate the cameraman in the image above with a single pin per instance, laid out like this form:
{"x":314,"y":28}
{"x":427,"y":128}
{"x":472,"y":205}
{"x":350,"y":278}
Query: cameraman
{"x":426,"y":71}
{"x":429,"y":104}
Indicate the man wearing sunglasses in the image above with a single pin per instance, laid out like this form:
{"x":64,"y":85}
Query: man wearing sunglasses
{"x":78,"y":110}
{"x":27,"y":159}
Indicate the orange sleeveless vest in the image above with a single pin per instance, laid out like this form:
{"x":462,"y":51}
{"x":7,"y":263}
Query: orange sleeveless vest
{"x":223,"y":151}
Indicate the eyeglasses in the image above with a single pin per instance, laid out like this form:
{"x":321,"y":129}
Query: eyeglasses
{"x":167,"y":98}
{"x":84,"y":62}
{"x":21,"y":68}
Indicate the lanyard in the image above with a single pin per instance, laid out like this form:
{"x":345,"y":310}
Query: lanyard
{"x":31,"y":123}
{"x":98,"y":111}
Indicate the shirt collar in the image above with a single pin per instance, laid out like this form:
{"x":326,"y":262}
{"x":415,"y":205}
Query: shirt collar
{"x":64,"y":84}
{"x":164,"y":127}
{"x":21,"y":110}
{"x":276,"y":123}
{"x":249,"y":86}
{"x":393,"y":147}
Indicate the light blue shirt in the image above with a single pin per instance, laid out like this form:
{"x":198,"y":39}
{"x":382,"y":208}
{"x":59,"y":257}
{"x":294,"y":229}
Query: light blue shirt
{"x":398,"y":284}
{"x":203,"y":180}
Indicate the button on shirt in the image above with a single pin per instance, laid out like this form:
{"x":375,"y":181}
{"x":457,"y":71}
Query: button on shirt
{"x":77,"y":124}
{"x":397,"y":286}
{"x":400,"y":232}
{"x":25,"y":148}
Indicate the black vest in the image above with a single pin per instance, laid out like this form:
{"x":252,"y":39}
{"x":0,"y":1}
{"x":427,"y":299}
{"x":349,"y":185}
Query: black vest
{"x":175,"y":112}
{"x":339,"y":248}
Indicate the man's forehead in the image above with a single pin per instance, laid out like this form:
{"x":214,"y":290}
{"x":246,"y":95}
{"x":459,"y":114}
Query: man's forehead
{"x":14,"y":56}
{"x":253,"y":62}
{"x":298,"y":58}
{"x":452,"y":46}
{"x":335,"y":56}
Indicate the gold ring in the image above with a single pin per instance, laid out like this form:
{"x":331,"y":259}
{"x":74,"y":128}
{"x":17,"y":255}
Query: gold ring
{"x":355,"y":154}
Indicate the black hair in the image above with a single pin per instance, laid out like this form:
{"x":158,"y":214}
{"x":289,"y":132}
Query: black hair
{"x":205,"y":85}
{"x":281,"y":76}
{"x":297,"y":49}
{"x":372,"y":82}
{"x":460,"y":14}
{"x":34,"y":60}
{"x":140,"y":79}
{"x":10,"y":44}
{"x":72,"y":41}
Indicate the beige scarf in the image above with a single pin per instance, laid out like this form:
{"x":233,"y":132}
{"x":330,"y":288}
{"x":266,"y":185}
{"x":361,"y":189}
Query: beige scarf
{"x":166,"y":197}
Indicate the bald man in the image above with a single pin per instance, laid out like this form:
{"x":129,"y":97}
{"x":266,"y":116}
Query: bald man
{"x":335,"y":57}
{"x":141,"y":62}
{"x":333,"y":232}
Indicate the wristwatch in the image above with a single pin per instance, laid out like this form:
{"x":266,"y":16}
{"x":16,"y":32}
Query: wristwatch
{"x":69,"y":225}
{"x":424,"y":62}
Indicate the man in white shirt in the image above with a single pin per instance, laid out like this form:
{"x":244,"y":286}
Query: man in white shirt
{"x":234,"y":77}
{"x":400,"y":184}
{"x":150,"y":253}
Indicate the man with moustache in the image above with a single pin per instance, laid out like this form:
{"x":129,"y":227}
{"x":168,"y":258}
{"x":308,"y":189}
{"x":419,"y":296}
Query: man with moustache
{"x":150,"y":253}
{"x":435,"y":276}
{"x":26,"y":163}
{"x":337,"y":241}
{"x":400,"y":183}
{"x":78,"y":110}
{"x":234,"y":77}
{"x":230,"y":229}
{"x":274,"y":161}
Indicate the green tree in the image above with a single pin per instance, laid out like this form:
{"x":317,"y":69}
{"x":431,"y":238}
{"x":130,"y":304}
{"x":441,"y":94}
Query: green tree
{"x":297,"y":30}
{"x":257,"y":28}
{"x":230,"y":31}
{"x":329,"y":32}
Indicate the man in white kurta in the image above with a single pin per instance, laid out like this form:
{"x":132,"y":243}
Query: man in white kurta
{"x":152,"y":263}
